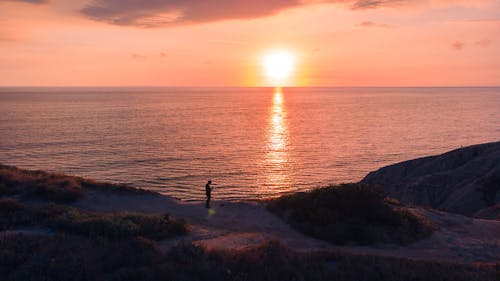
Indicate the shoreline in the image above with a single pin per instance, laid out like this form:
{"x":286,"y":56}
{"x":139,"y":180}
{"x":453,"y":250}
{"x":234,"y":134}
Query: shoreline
{"x":246,"y":224}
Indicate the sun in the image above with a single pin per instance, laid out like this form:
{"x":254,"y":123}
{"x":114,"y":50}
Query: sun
{"x":278,"y":65}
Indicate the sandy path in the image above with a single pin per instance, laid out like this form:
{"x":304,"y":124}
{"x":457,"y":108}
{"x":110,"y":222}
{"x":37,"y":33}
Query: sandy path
{"x":241,"y":224}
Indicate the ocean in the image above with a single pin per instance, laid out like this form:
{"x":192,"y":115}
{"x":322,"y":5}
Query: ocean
{"x":252,"y":143}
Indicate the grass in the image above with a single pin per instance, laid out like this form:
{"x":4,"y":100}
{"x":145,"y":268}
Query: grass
{"x":122,"y":246}
{"x":113,"y":226}
{"x":39,"y":184}
{"x":350,"y":213}
{"x":77,"y":258}
{"x":53,"y":187}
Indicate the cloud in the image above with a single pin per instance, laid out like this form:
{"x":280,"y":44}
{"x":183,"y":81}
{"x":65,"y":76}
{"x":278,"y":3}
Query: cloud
{"x":171,"y":12}
{"x":374,"y":24}
{"x":137,"y":56}
{"x":458,"y":45}
{"x":27,"y":1}
{"x":483,"y":43}
{"x":372,"y":4}
{"x":158,"y":13}
{"x":228,"y":42}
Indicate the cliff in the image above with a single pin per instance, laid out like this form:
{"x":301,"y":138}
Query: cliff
{"x":464,"y":181}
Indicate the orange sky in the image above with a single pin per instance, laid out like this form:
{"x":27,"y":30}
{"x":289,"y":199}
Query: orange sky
{"x":222,"y":42}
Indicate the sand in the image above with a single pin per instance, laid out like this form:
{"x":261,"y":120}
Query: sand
{"x":236,"y":225}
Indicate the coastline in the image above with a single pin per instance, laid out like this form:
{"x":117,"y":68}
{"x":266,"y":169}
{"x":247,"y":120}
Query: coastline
{"x":60,"y":227}
{"x":246,"y":224}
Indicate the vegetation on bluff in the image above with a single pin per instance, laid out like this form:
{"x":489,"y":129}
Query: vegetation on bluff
{"x":78,"y":258}
{"x":350,"y":213}
{"x":52,"y":187}
{"x":64,"y":219}
{"x":65,"y":243}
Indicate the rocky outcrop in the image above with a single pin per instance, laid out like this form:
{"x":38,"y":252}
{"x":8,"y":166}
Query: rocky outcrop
{"x":465,"y":181}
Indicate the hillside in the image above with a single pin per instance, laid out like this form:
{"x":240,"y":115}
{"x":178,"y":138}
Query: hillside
{"x":464,"y":181}
{"x":227,"y":226}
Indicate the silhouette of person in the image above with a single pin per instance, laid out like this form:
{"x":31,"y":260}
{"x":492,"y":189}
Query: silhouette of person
{"x":208,"y":191}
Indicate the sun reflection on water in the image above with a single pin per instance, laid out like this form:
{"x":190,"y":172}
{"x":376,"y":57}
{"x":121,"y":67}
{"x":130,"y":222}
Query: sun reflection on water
{"x":277,"y":144}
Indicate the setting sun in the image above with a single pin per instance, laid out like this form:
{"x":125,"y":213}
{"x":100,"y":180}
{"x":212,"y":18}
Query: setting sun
{"x":278,"y":65}
{"x":265,"y":134}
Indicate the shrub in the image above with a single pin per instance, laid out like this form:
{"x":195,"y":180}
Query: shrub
{"x":117,"y":226}
{"x":78,"y":258}
{"x":14,"y":252}
{"x":9,"y":205}
{"x":272,"y":261}
{"x":54,"y":187}
{"x":113,"y":187}
{"x":392,"y":201}
{"x":39,"y":184}
{"x":349,"y":213}
{"x":13,"y":213}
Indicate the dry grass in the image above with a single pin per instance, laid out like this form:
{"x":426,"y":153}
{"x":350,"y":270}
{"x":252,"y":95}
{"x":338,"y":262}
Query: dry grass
{"x":53,"y":187}
{"x":77,"y":258}
{"x":38,"y":184}
{"x":350,"y":213}
{"x":113,"y":226}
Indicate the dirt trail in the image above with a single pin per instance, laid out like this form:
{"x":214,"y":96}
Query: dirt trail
{"x":233,"y":225}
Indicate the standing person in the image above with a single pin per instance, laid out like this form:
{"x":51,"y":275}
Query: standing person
{"x":208,"y":191}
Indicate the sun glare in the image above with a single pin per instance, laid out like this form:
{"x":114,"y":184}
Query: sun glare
{"x":278,"y":65}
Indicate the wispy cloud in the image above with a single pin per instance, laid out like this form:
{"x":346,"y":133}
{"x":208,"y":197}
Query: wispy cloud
{"x":483,"y":43}
{"x":228,"y":42}
{"x":478,"y":21}
{"x":372,"y":4}
{"x":137,"y":56}
{"x":171,"y":12}
{"x":374,"y":24}
{"x":159,"y":13}
{"x":27,"y":1}
{"x":458,"y":45}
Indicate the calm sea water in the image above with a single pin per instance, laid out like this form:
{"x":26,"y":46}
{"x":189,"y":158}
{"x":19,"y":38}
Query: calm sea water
{"x":252,"y":142}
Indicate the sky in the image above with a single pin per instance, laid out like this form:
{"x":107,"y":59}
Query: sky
{"x":223,"y":43}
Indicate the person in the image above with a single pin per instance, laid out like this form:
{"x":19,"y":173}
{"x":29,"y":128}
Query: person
{"x":208,"y":191}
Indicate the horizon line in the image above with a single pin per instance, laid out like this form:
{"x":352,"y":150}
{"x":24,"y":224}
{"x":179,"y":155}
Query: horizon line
{"x":289,"y":87}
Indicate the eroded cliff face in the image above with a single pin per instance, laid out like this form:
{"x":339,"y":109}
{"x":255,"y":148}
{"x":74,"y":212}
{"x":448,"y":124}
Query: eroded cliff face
{"x":465,"y":181}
